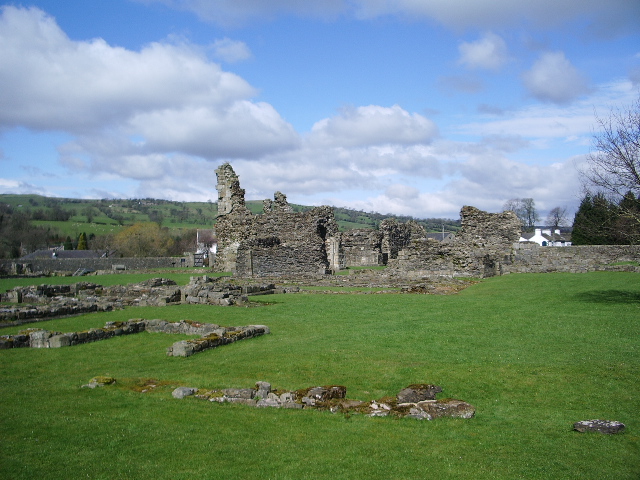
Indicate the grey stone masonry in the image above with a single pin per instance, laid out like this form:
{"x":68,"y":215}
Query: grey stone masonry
{"x":276,"y":243}
{"x":333,"y":398}
{"x":530,"y":257}
{"x":212,"y":335}
{"x":48,"y":301}
{"x":482,"y":248}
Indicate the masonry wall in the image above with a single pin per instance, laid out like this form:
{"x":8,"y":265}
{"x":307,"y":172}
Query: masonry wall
{"x":362,"y":248}
{"x":73,"y":264}
{"x":482,"y":248}
{"x":532,"y":258}
{"x":276,"y":243}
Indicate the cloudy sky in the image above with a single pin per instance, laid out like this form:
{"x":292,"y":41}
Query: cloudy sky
{"x":413,"y":107}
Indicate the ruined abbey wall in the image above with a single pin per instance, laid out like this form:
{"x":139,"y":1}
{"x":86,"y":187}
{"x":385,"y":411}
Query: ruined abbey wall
{"x":362,"y":247}
{"x":482,"y":248}
{"x":278,"y":242}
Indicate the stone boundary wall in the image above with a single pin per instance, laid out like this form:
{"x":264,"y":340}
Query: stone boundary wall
{"x":212,"y":335}
{"x":94,"y":264}
{"x":532,"y":258}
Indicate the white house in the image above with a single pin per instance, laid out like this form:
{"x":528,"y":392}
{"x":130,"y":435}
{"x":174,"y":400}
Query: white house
{"x":545,"y":238}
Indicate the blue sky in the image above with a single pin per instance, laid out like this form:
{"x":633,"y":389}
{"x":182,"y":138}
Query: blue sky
{"x":413,"y":107}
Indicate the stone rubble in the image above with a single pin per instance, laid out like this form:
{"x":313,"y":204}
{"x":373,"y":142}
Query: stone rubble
{"x":50,"y":301}
{"x":333,"y":398}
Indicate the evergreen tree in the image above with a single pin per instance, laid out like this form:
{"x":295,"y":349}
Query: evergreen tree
{"x":67,"y":244}
{"x":595,"y":222}
{"x":82,"y":241}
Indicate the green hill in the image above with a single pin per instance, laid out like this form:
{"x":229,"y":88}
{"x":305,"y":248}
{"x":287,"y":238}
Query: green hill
{"x":49,"y":220}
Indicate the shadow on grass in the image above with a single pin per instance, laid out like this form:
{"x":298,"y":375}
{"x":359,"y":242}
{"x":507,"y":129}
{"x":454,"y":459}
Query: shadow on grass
{"x":610,"y":296}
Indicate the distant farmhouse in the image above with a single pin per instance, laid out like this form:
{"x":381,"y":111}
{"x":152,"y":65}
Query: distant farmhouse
{"x":547,"y":238}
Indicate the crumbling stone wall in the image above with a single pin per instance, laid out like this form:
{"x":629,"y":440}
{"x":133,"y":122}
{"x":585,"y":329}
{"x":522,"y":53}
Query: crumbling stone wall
{"x":482,"y":248}
{"x":48,"y":301}
{"x":277,"y":242}
{"x":230,"y":195}
{"x":396,"y":236}
{"x":362,"y":247}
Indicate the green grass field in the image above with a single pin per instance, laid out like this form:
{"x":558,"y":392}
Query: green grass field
{"x":532,"y":353}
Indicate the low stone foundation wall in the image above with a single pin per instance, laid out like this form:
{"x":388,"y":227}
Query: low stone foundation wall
{"x":213,"y":335}
{"x":417,"y":401}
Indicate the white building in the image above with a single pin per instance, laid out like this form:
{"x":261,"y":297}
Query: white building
{"x":547,"y":238}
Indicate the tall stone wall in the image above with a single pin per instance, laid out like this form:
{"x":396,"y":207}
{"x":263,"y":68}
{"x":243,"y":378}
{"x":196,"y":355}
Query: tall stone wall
{"x":482,"y":248}
{"x":278,"y":242}
{"x":230,"y":195}
{"x":362,"y":247}
{"x":396,"y":236}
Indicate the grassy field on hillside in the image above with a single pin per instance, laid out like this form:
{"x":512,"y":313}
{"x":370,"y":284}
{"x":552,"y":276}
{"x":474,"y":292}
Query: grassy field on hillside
{"x":533,"y":353}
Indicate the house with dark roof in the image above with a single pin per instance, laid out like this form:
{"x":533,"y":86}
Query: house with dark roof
{"x":547,"y":238}
{"x":54,"y":253}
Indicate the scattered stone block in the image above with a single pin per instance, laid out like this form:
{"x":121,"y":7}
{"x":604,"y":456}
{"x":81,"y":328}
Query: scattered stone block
{"x":263,"y":389}
{"x":418,"y":393}
{"x":182,"y":392}
{"x":100,"y":381}
{"x":608,"y":427}
{"x":447,"y":408}
{"x":63,"y":340}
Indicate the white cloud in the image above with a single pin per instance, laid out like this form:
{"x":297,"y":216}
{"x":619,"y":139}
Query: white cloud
{"x":554,"y":79}
{"x":549,"y":121}
{"x":237,"y":12}
{"x":402,"y":192}
{"x":489,"y":52}
{"x":231,"y":51}
{"x":374,"y":125}
{"x":169,"y":94}
{"x":8,"y":185}
{"x":634,"y":75}
{"x":244,"y":129}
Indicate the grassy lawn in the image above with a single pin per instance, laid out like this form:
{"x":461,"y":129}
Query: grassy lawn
{"x":533,"y":353}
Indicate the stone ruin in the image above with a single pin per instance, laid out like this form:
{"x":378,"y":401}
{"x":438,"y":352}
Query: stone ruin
{"x":281,"y":242}
{"x":41,"y":302}
{"x":211,"y":335}
{"x":482,"y":247}
{"x":417,"y":401}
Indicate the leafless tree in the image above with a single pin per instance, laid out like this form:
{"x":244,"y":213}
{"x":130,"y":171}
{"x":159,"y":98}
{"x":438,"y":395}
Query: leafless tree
{"x":613,"y":166}
{"x":557,"y":217}
{"x":525,"y":209}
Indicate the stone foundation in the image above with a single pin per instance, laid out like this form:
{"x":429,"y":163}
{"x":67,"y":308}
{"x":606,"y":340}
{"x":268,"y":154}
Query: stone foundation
{"x":212,"y":335}
{"x":415,"y":401}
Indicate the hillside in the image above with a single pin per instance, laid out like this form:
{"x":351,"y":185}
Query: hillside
{"x":47,"y":221}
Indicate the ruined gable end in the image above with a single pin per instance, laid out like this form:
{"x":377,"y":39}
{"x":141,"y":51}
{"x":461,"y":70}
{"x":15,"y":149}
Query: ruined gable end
{"x":230,"y":195}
